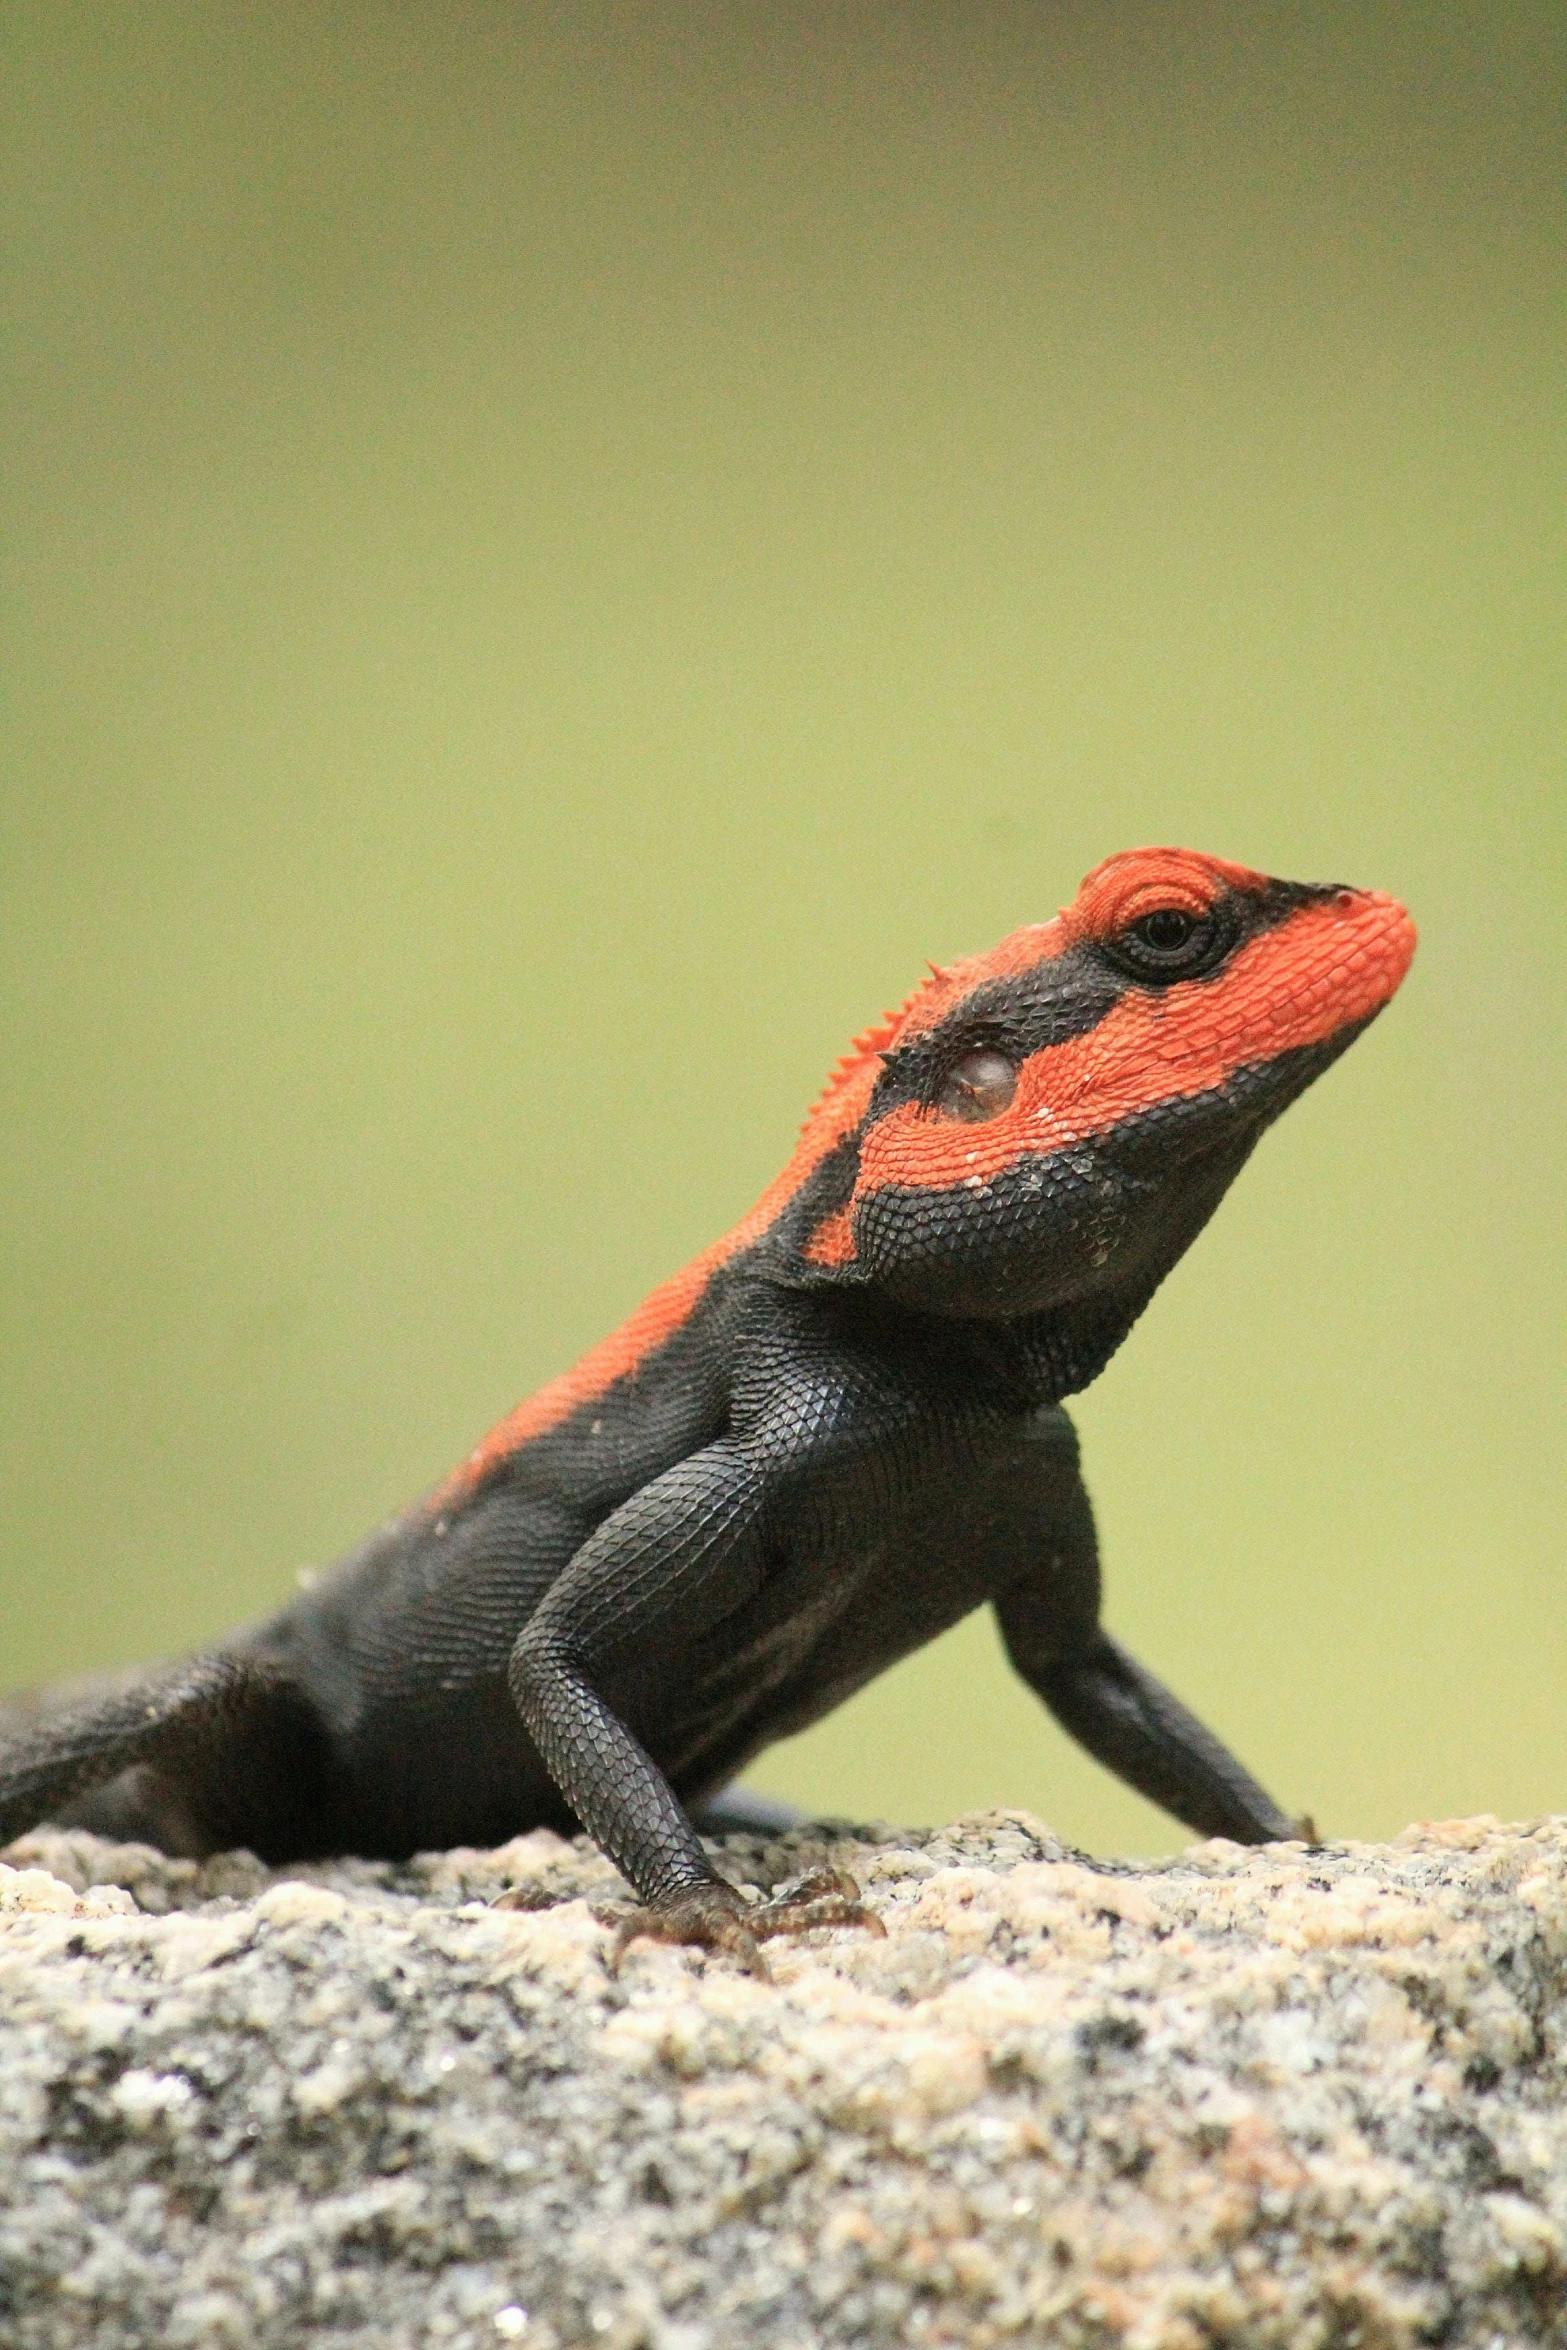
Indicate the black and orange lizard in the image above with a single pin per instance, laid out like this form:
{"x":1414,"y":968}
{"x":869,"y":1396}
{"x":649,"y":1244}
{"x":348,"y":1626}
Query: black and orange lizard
{"x":833,"y":1435}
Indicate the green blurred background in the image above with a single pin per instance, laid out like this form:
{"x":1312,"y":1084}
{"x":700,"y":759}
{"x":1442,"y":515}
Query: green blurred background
{"x":556,"y":553}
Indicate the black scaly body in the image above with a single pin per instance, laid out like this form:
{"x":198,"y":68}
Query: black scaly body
{"x":829,"y":1439}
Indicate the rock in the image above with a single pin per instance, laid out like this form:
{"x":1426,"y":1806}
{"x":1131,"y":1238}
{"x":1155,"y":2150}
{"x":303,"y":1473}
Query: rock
{"x":1312,"y":2098}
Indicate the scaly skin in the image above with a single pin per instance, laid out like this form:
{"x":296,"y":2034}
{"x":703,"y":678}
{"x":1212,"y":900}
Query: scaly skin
{"x":831,"y":1436}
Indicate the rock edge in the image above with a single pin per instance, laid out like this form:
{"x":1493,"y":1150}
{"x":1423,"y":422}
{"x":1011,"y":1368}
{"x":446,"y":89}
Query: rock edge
{"x":1311,"y":2098}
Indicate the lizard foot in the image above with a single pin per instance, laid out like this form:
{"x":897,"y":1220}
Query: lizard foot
{"x":715,"y":1917}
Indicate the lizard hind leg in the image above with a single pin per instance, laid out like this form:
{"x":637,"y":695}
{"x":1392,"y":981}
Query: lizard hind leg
{"x":199,"y":1756}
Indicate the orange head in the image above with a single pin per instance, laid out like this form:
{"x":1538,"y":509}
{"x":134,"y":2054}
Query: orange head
{"x":1056,"y":1119}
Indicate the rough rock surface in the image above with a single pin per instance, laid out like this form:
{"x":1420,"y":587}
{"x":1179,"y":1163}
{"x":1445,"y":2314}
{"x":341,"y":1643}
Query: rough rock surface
{"x":1304,"y":2098}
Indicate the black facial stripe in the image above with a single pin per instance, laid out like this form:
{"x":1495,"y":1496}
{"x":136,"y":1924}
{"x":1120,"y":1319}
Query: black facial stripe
{"x":1278,"y":900}
{"x":828,"y":1187}
{"x":1068,"y":995}
{"x":1024,"y":1013}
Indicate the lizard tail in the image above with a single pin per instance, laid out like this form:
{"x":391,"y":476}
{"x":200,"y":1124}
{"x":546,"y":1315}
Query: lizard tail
{"x":228,"y":1746}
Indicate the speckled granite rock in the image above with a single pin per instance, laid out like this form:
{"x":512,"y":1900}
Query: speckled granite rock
{"x":1312,"y":2099}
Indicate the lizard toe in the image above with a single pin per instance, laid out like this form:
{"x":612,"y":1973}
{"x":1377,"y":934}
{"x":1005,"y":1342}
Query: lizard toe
{"x":703,"y":1917}
{"x":826,"y":1897}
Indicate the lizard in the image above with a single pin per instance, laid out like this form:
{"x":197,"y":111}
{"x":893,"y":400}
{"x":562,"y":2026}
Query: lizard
{"x":835,"y":1433}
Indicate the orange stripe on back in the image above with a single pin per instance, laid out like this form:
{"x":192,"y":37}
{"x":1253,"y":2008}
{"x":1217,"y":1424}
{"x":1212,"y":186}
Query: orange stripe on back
{"x":838,"y":1112}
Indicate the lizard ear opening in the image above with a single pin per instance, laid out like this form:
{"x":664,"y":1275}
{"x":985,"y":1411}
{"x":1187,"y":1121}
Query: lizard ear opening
{"x":978,"y":1087}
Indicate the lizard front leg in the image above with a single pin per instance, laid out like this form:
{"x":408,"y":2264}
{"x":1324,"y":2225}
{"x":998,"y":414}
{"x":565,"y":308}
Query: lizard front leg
{"x":674,"y":1560}
{"x":1111,"y":1704}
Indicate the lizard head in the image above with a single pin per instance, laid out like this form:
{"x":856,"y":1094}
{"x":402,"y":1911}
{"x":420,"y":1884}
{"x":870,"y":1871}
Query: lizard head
{"x":1056,"y":1120}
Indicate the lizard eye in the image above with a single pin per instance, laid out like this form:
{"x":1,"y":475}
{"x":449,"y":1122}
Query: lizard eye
{"x":1166,"y":931}
{"x":1172,"y":942}
{"x":978,"y":1087}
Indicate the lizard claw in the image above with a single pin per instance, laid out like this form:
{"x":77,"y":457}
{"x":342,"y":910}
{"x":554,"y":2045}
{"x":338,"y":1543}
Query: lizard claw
{"x":715,"y":1917}
{"x":526,"y":1896}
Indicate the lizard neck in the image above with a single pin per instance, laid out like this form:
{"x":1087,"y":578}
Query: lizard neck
{"x":1067,"y":1347}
